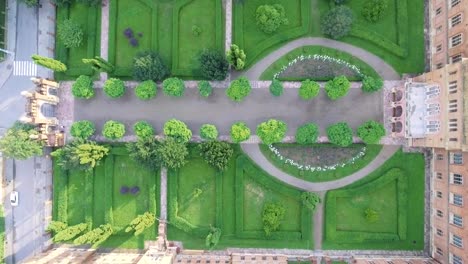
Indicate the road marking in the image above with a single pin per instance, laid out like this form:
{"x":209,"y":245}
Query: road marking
{"x":24,"y":68}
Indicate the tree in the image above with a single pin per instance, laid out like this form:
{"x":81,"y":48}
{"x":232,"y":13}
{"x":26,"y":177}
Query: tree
{"x":96,"y":236}
{"x":374,"y":10}
{"x":149,"y":65}
{"x":171,"y":153}
{"x":82,"y":129}
{"x":55,"y":65}
{"x":337,"y":88}
{"x":239,"y":89}
{"x":340,"y":134}
{"x":83,"y":87}
{"x":371,"y":215}
{"x":70,"y":232}
{"x":216,"y":153}
{"x":236,"y":57}
{"x":307,"y":133}
{"x":30,"y":3}
{"x":144,"y":152}
{"x":271,"y":131}
{"x":173,"y":87}
{"x":114,"y":87}
{"x":70,"y":33}
{"x":212,"y":239}
{"x":272,"y":216}
{"x":270,"y":17}
{"x":276,"y":87}
{"x":80,"y":155}
{"x":371,"y":84}
{"x":309,"y":89}
{"x":99,"y":64}
{"x":213,"y":65}
{"x":56,"y":226}
{"x":371,"y":132}
{"x":337,"y":22}
{"x":113,"y":130}
{"x":204,"y":88}
{"x":208,"y":132}
{"x":143,"y":129}
{"x":239,"y":132}
{"x":140,"y":223}
{"x":310,"y":200}
{"x":177,"y":130}
{"x":18,"y":144}
{"x":146,"y":90}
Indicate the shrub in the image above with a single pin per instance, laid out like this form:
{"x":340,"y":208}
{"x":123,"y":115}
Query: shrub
{"x":83,"y":87}
{"x":149,"y":65}
{"x":371,"y":215}
{"x":124,"y":190}
{"x":208,"y":132}
{"x":338,"y":87}
{"x":196,"y":30}
{"x":212,"y":239}
{"x":340,"y":134}
{"x":309,"y":89}
{"x":70,"y":33}
{"x":310,"y":200}
{"x":276,"y":87}
{"x":271,"y":131}
{"x":236,"y":57}
{"x":178,"y":130}
{"x":204,"y":88}
{"x":17,"y":144}
{"x":146,"y":90}
{"x":55,"y":65}
{"x":114,"y":88}
{"x":371,"y":84}
{"x":307,"y":134}
{"x":140,"y":223}
{"x":213,"y":65}
{"x":56,"y":226}
{"x":239,"y":132}
{"x":172,"y":154}
{"x":113,"y":130}
{"x":82,"y":129}
{"x":374,"y":10}
{"x":270,"y":17}
{"x":144,"y":152}
{"x":337,"y":22}
{"x":70,"y":232}
{"x":135,"y":190}
{"x":239,"y":89}
{"x":173,"y":87}
{"x":62,"y":2}
{"x":216,"y":153}
{"x":31,"y":3}
{"x":99,"y":64}
{"x":89,"y":2}
{"x":143,"y":129}
{"x":272,"y":216}
{"x":371,"y":132}
{"x":95,"y":236}
{"x":80,"y":155}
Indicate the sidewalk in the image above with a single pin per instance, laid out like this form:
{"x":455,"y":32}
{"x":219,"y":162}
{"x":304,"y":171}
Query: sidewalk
{"x":6,"y":66}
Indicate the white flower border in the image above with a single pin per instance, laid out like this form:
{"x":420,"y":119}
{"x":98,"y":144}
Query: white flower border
{"x":361,"y":153}
{"x":322,"y":58}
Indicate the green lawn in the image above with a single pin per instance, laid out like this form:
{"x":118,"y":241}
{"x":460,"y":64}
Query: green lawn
{"x":396,"y":192}
{"x":304,"y":152}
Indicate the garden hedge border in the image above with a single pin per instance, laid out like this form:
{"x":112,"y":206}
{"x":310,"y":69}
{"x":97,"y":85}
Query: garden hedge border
{"x":60,"y":193}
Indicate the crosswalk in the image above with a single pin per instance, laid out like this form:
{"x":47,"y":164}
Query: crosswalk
{"x":24,"y":68}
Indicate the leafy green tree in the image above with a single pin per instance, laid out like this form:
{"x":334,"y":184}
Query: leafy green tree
{"x":239,"y":89}
{"x":337,"y":22}
{"x":371,"y":132}
{"x":83,"y":87}
{"x":310,"y":200}
{"x":216,"y":153}
{"x":272,"y":216}
{"x":173,"y":87}
{"x":145,"y":152}
{"x":18,"y":144}
{"x":56,"y":226}
{"x":213,"y":237}
{"x":143,"y":129}
{"x":239,"y":132}
{"x":171,"y":153}
{"x":337,"y":88}
{"x":340,"y":134}
{"x":70,"y":232}
{"x":272,"y":131}
{"x":70,"y":33}
{"x":208,"y":132}
{"x":140,"y":223}
{"x":307,"y":133}
{"x":204,"y":88}
{"x":213,"y":65}
{"x":113,"y":130}
{"x":236,"y":57}
{"x":371,"y":215}
{"x":96,"y":236}
{"x":114,"y":87}
{"x":276,"y":87}
{"x":178,"y":130}
{"x":374,"y":10}
{"x":55,"y":65}
{"x":309,"y":89}
{"x":82,"y":129}
{"x":99,"y":64}
{"x":146,"y":90}
{"x":80,"y":155}
{"x":270,"y":17}
{"x":371,"y":84}
{"x":149,"y":65}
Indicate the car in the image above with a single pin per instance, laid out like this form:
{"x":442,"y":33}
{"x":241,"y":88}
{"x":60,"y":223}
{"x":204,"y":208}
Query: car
{"x":14,"y":198}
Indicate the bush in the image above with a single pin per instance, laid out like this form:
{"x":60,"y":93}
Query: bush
{"x":17,"y":144}
{"x":70,"y":232}
{"x":196,"y":30}
{"x":276,"y":87}
{"x":216,"y":153}
{"x":83,"y":87}
{"x":140,"y":223}
{"x":309,"y":89}
{"x":82,"y":129}
{"x":371,"y":215}
{"x":239,"y":132}
{"x":272,"y":216}
{"x":124,"y":190}
{"x":135,"y":190}
{"x":239,"y":89}
{"x":144,"y":152}
{"x":55,"y":65}
{"x":30,"y":3}
{"x":236,"y":57}
{"x":99,"y":64}
{"x":114,"y":88}
{"x":370,"y":84}
{"x":208,"y":132}
{"x":143,"y":129}
{"x":338,"y":87}
{"x":213,"y":65}
{"x":307,"y":134}
{"x":173,"y":87}
{"x":113,"y":130}
{"x":271,"y":131}
{"x":96,"y":236}
{"x":337,"y":22}
{"x":172,"y":154}
{"x":212,"y":239}
{"x":70,"y":33}
{"x":178,"y":130}
{"x":63,"y":2}
{"x":374,"y":10}
{"x":146,"y":90}
{"x":340,"y":134}
{"x":89,"y":2}
{"x":371,"y":132}
{"x":270,"y":17}
{"x":204,"y":88}
{"x":310,"y":200}
{"x":80,"y":155}
{"x":149,"y":65}
{"x":56,"y":226}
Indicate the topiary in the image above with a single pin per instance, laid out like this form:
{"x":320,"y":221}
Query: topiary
{"x":70,"y":33}
{"x":178,"y":130}
{"x":208,"y":132}
{"x":114,"y":88}
{"x":171,"y":153}
{"x":204,"y":88}
{"x":374,"y":10}
{"x":340,"y":134}
{"x":83,"y":87}
{"x":371,"y":132}
{"x":236,"y":57}
{"x":149,"y":65}
{"x":310,"y":200}
{"x":143,"y":129}
{"x":55,"y":65}
{"x":146,"y":90}
{"x":213,"y":65}
{"x":113,"y":130}
{"x":338,"y":87}
{"x":239,"y":132}
{"x":173,"y":87}
{"x":271,"y":131}
{"x":371,"y":84}
{"x":337,"y":22}
{"x":82,"y":129}
{"x":216,"y":153}
{"x":270,"y":17}
{"x":309,"y":89}
{"x":239,"y":89}
{"x":272,"y":216}
{"x":307,"y":133}
{"x":276,"y":87}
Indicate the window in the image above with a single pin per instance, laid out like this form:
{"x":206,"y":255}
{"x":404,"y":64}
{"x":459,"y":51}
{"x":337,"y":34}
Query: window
{"x":455,"y":40}
{"x":439,"y":29}
{"x":453,"y":106}
{"x":439,"y":251}
{"x":456,"y":58}
{"x":439,"y":176}
{"x":439,"y":194}
{"x":453,"y":87}
{"x":457,"y":158}
{"x":454,"y":3}
{"x":456,"y":199}
{"x":453,"y":139}
{"x":455,"y":20}
{"x":440,"y":157}
{"x":438,"y":11}
{"x":452,"y":72}
{"x":439,"y":48}
{"x":456,"y":220}
{"x":456,"y":240}
{"x":456,"y":179}
{"x":453,"y":125}
{"x":439,"y":65}
{"x":439,"y":213}
{"x":440,"y":232}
